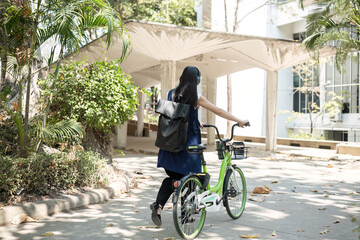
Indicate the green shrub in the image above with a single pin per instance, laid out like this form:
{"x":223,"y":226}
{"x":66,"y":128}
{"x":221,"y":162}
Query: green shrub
{"x":42,"y":174}
{"x":99,"y":95}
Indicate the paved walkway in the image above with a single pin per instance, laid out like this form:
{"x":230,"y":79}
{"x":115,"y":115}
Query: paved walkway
{"x":311,"y":198}
{"x":147,"y":145}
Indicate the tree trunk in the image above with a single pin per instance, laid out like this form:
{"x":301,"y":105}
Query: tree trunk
{"x":226,"y":21}
{"x":27,"y":110}
{"x":28,"y":86}
{"x":311,"y":118}
{"x":236,"y":22}
{"x":98,"y":142}
{"x":3,"y":71}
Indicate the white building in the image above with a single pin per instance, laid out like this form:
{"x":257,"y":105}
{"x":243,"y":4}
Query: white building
{"x":287,"y":21}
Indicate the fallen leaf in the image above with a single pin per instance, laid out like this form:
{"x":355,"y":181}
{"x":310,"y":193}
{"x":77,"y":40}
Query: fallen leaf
{"x":330,"y":166}
{"x":325,"y":195}
{"x":149,"y":226}
{"x":324,"y":232}
{"x":274,"y":181}
{"x":169,"y":238}
{"x":110,"y":225}
{"x":253,"y":194}
{"x":313,"y":190}
{"x":169,"y":207}
{"x":249,"y":236}
{"x":353,"y":219}
{"x":273,"y":233}
{"x":136,"y":210}
{"x":300,"y":230}
{"x":47,"y":234}
{"x":322,"y":208}
{"x":257,"y":199}
{"x":262,"y":190}
{"x":138,"y":172}
{"x":337,"y":221}
{"x":19,"y":218}
{"x":30,"y":219}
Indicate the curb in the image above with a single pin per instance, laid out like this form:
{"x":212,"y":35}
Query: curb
{"x":41,"y":209}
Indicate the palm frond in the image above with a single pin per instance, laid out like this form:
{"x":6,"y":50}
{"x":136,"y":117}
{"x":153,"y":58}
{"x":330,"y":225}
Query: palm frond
{"x":62,"y":131}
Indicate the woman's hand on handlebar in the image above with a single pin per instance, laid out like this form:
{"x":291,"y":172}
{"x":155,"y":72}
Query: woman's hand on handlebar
{"x":244,"y":123}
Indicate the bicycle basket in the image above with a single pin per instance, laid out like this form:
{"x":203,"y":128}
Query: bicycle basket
{"x":239,"y":151}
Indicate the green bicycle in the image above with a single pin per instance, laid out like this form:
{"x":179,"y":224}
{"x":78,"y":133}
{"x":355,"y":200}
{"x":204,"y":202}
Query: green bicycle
{"x":194,"y":196}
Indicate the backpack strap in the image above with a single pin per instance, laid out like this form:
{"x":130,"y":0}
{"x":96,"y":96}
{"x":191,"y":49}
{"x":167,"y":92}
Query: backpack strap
{"x":170,"y":94}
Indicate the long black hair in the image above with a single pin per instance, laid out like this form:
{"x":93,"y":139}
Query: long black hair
{"x":186,"y":92}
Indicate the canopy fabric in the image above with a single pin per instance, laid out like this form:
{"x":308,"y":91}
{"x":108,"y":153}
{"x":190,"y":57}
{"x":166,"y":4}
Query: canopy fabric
{"x":214,"y":53}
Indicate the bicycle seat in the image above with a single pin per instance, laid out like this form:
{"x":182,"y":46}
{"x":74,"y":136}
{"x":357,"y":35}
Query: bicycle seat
{"x":196,"y":149}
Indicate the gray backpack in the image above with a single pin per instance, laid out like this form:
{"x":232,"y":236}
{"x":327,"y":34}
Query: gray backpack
{"x":172,"y":125}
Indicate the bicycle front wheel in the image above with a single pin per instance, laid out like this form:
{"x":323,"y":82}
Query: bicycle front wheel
{"x":187,"y":216}
{"x":234,"y":192}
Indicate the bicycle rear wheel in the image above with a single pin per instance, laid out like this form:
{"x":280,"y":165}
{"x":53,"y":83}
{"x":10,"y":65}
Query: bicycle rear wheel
{"x":234,"y":192}
{"x":188,"y":219}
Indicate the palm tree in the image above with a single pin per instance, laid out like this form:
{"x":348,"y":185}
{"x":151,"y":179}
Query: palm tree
{"x":337,"y":21}
{"x":69,"y":22}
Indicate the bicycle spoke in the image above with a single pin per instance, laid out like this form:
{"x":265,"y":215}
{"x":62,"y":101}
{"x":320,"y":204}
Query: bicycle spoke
{"x":187,"y":218}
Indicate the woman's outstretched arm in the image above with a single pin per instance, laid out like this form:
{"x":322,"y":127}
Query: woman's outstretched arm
{"x":203,"y":102}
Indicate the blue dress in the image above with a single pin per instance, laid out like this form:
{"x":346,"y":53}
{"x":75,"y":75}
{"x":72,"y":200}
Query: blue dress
{"x":183,"y":162}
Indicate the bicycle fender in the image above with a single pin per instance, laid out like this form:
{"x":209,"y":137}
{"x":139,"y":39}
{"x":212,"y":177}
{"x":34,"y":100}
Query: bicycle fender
{"x":177,"y":190}
{"x":227,"y":173}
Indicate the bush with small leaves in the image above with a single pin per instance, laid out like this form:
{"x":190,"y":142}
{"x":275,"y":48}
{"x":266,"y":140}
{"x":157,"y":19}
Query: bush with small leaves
{"x":42,"y":173}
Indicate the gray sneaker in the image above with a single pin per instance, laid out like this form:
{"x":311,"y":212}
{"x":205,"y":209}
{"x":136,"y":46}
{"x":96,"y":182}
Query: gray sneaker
{"x":156,"y":218}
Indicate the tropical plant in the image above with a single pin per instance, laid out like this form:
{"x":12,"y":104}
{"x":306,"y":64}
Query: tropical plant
{"x":71,"y":23}
{"x":99,"y":95}
{"x":68,"y":131}
{"x":337,"y":22}
{"x":179,"y":12}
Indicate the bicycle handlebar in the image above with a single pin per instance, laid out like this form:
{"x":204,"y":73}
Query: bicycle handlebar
{"x":232,"y":131}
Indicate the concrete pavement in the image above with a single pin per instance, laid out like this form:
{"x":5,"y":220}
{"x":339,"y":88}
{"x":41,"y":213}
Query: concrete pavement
{"x":311,"y":198}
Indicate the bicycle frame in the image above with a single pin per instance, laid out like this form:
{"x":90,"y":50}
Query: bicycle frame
{"x":226,"y":162}
{"x":208,"y":199}
{"x":194,"y":196}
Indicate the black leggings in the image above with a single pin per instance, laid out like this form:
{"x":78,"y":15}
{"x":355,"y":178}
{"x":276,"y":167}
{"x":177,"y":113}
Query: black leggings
{"x":166,"y":188}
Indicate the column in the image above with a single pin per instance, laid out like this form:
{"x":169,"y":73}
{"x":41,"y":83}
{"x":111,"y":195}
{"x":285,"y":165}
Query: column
{"x":168,"y":73}
{"x":211,"y":96}
{"x":204,"y":88}
{"x":140,"y":115}
{"x":121,"y":135}
{"x":271,"y":108}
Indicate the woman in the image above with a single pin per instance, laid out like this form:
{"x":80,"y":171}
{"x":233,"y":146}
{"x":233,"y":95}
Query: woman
{"x":177,"y":165}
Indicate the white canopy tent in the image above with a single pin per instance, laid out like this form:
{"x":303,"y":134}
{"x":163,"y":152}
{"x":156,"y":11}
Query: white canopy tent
{"x":160,"y":53}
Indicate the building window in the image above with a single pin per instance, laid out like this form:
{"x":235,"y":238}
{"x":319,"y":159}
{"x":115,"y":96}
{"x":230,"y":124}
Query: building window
{"x":306,"y":91}
{"x":299,"y":37}
{"x":345,"y":82}
{"x":337,"y":135}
